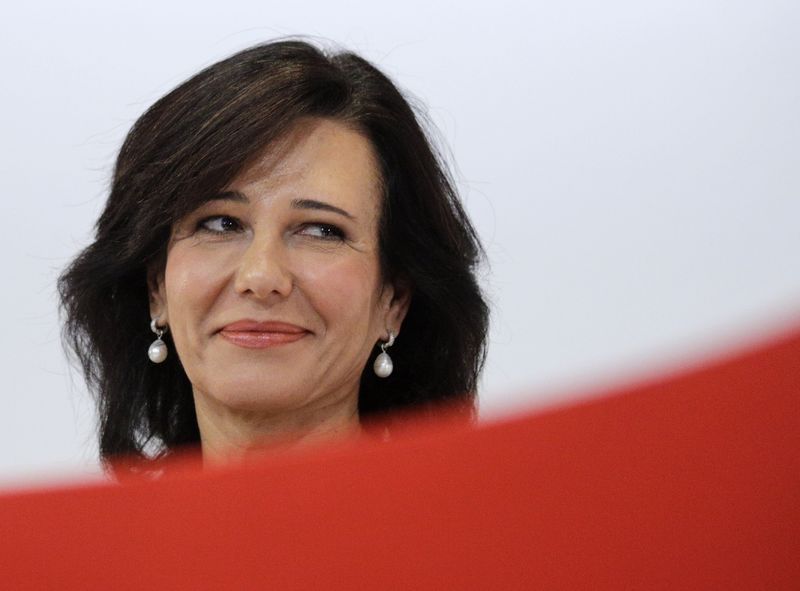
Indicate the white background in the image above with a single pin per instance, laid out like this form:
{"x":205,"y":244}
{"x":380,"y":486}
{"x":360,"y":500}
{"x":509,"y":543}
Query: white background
{"x":633,"y":168}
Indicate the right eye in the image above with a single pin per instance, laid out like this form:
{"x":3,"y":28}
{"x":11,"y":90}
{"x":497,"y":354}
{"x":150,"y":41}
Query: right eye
{"x":219,"y":224}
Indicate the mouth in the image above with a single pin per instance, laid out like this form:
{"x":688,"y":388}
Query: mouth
{"x":251,"y":334}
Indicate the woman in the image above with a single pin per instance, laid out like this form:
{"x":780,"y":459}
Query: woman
{"x":283,"y":226}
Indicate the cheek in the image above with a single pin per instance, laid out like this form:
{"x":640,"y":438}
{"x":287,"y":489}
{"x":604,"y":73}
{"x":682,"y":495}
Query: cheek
{"x":345,"y":292}
{"x":193,"y":279}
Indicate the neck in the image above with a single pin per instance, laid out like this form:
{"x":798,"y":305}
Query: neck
{"x":232,"y":436}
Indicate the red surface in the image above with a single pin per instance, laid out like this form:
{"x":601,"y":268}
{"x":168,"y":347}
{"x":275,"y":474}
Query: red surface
{"x":689,"y":483}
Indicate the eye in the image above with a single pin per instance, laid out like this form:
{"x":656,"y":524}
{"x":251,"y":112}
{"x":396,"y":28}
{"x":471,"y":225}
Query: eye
{"x":322,"y":231}
{"x":219,"y":224}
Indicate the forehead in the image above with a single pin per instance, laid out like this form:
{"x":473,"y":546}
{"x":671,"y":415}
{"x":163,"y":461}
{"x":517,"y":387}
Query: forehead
{"x":316,"y":158}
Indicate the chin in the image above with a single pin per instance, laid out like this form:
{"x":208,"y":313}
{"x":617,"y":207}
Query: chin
{"x":257,"y":395}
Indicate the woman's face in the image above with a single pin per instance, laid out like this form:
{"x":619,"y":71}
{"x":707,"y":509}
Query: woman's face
{"x":273,"y":292}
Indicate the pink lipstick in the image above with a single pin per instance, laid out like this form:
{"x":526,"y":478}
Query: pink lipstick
{"x":251,"y":334}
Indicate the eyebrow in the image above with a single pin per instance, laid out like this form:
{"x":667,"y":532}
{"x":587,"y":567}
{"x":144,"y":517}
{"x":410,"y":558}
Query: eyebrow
{"x":240,"y":197}
{"x":320,"y":205}
{"x":230,"y":196}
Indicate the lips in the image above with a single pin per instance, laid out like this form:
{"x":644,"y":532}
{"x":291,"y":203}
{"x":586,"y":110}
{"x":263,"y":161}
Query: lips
{"x":252,"y":334}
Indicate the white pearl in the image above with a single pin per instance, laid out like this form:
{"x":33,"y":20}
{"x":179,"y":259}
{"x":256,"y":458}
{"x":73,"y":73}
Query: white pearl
{"x":383,"y":365}
{"x":157,"y":351}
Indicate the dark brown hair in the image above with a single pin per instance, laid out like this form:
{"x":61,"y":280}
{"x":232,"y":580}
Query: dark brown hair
{"x":192,"y":143}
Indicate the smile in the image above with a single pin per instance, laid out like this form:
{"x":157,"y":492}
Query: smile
{"x":261,"y":335}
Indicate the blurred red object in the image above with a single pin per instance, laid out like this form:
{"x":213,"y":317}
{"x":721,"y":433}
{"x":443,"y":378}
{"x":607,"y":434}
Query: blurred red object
{"x":691,"y":482}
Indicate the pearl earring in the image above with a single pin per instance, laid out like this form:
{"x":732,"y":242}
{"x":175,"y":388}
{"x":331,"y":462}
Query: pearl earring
{"x":158,"y":348}
{"x":383,"y":365}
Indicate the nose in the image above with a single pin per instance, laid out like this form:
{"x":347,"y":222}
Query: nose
{"x":263,"y":270}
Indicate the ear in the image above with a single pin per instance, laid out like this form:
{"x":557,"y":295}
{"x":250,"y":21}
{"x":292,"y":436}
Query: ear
{"x":157,"y":295}
{"x":396,"y":300}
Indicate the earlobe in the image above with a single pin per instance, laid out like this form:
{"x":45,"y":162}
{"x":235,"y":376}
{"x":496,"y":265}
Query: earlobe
{"x":157,"y":297}
{"x":398,"y":302}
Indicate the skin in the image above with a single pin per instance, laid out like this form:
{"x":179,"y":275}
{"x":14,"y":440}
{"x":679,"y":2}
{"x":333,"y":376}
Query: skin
{"x":272,"y":249}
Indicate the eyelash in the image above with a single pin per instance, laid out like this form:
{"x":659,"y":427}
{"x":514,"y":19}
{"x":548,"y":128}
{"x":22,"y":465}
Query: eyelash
{"x":328,"y":231}
{"x":202,"y":225}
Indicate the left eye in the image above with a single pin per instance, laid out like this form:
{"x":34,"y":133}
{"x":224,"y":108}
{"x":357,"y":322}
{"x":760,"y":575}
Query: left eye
{"x":219,"y":224}
{"x":323,"y":231}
